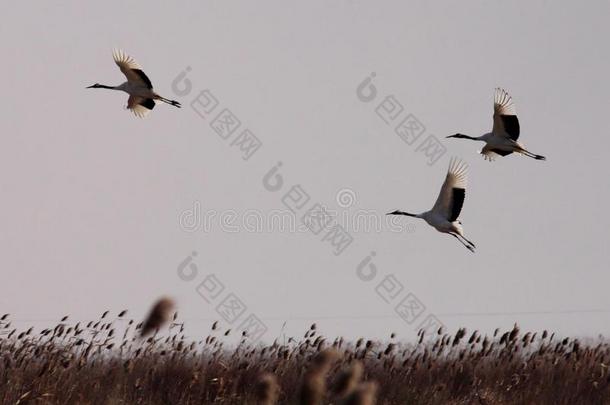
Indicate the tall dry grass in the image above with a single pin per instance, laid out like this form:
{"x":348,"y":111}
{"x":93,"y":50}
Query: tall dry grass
{"x":105,"y":361}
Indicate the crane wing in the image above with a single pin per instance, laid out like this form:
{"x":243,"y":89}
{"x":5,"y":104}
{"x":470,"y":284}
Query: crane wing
{"x":130,"y":68}
{"x":140,"y":106}
{"x":506,"y":122}
{"x":451,"y":198}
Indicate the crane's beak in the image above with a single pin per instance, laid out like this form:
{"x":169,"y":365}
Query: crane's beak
{"x":92,"y":86}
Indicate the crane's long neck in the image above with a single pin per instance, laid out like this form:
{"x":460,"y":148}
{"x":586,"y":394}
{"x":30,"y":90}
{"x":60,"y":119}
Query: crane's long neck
{"x":462,"y":136}
{"x":102,"y":86}
{"x":397,"y":212}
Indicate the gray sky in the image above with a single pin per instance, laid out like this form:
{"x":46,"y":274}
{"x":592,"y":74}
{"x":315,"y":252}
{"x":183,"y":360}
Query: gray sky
{"x":91,"y":195}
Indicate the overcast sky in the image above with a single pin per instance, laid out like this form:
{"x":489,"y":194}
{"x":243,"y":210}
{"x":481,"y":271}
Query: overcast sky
{"x":92,"y":196}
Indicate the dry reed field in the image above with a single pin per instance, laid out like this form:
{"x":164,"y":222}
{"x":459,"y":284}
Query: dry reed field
{"x":114,"y":360}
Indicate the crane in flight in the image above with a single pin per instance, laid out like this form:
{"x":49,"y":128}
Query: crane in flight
{"x":444,"y":215}
{"x":503,"y":138}
{"x":139,"y":87}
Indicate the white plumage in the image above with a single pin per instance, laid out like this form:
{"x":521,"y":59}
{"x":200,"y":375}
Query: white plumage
{"x":455,"y":179}
{"x":139,"y":87}
{"x":448,"y":206}
{"x":503,"y":138}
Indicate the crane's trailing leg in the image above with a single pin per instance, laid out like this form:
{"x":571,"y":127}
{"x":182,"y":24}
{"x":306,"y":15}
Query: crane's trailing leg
{"x":471,"y":248}
{"x":533,"y":155}
{"x":170,"y":102}
{"x":471,"y":244}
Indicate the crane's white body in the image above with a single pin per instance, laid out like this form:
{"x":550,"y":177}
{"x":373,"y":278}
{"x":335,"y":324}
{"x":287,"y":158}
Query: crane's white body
{"x":444,"y":215}
{"x":139,"y":87}
{"x":136,"y":89}
{"x":496,"y":142}
{"x":439,"y":222}
{"x":503,"y":138}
